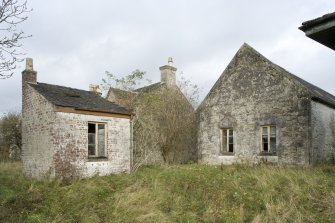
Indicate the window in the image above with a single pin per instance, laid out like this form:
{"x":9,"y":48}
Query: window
{"x":268,"y":139}
{"x":227,"y":145}
{"x":96,"y":139}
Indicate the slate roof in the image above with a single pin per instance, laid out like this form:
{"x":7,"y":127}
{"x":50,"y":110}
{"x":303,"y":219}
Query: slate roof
{"x":120,"y":93}
{"x":150,"y":88}
{"x":78,"y":99}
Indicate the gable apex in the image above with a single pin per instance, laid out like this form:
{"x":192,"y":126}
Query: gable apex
{"x":246,"y":55}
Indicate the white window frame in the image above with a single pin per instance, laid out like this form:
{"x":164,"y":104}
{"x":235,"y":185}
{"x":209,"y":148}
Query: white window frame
{"x":96,"y":139}
{"x":227,"y":145}
{"x":268,"y":127}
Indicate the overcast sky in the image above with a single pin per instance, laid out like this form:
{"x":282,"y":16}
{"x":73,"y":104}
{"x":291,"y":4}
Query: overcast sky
{"x":74,"y":42}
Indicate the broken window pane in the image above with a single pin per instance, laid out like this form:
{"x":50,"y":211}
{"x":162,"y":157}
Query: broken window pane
{"x":231,"y":148}
{"x":91,"y":128}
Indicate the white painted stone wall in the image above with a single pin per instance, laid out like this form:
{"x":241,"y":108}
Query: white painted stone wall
{"x":323,"y":133}
{"x":38,"y":119}
{"x":71,"y":141}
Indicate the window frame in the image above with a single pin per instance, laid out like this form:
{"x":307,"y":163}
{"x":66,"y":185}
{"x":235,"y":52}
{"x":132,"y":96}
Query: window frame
{"x":96,"y":140}
{"x":268,"y":129}
{"x":227,"y":152}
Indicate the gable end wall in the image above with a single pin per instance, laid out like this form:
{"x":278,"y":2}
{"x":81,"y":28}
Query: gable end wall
{"x":250,"y":93}
{"x":38,"y":119}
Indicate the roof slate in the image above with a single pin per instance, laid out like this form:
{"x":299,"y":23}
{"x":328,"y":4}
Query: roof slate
{"x":151,"y":87}
{"x":78,"y":99}
{"x":121,"y":93}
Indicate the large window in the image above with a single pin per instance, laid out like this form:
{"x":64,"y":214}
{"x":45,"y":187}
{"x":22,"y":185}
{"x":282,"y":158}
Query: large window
{"x":268,"y":139}
{"x":227,"y":145}
{"x":96,"y":139}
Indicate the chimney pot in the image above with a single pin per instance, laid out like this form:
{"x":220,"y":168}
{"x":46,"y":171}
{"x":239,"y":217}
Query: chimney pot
{"x":170,"y":61}
{"x":29,"y":64}
{"x":95,"y":88}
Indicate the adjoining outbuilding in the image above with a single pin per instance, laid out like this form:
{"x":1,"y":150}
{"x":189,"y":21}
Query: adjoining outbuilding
{"x":259,"y":112}
{"x":70,"y":132}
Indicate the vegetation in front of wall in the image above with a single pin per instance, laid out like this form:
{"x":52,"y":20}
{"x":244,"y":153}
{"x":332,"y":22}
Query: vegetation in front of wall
{"x":10,"y":135}
{"x":185,"y":193}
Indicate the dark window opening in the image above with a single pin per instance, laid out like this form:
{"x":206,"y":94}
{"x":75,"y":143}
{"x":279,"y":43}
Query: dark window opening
{"x":227,"y":144}
{"x":268,"y":138}
{"x":96,"y":139}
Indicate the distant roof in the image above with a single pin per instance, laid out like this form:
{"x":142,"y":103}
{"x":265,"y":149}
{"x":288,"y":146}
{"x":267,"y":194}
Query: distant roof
{"x":321,"y":29}
{"x":79,"y":99}
{"x":120,"y":93}
{"x":151,"y":87}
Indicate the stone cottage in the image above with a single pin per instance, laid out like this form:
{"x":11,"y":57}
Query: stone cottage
{"x":159,"y":141}
{"x":258,"y":111}
{"x":67,"y":132}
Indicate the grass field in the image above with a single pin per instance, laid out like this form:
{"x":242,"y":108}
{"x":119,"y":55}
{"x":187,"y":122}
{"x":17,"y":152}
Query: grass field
{"x":189,"y":193}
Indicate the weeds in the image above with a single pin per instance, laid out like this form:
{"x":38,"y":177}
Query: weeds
{"x":189,"y":193}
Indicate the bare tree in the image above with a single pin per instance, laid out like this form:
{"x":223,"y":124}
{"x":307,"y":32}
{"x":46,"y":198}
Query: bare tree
{"x":164,"y":124}
{"x":127,"y":83}
{"x":12,"y":13}
{"x":191,"y":91}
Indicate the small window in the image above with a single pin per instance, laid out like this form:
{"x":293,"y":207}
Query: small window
{"x":227,"y":145}
{"x":96,"y":139}
{"x":268,"y":134}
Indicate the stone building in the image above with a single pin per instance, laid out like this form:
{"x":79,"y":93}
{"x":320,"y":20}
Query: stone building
{"x":67,"y":132}
{"x":259,"y":112}
{"x":153,"y":142}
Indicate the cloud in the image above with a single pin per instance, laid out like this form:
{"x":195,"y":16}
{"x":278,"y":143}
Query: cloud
{"x":74,"y":42}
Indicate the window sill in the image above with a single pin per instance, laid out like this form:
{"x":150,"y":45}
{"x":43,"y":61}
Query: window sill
{"x":97,"y":159}
{"x":227,"y":154}
{"x":267,"y":154}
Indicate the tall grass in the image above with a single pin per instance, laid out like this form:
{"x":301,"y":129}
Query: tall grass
{"x":190,"y":193}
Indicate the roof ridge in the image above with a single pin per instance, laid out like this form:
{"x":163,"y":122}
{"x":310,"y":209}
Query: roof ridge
{"x":150,"y":85}
{"x":55,"y":85}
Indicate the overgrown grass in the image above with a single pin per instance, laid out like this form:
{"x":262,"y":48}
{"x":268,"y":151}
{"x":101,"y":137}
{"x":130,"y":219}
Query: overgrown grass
{"x":190,"y":193}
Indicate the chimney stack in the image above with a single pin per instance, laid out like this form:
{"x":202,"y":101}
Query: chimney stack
{"x":168,"y":73}
{"x":28,"y":76}
{"x":95,"y":88}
